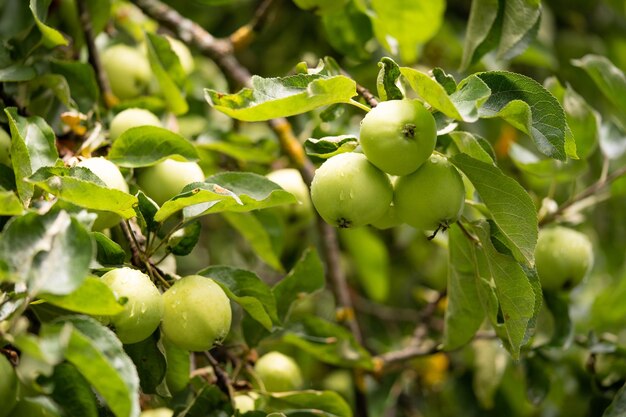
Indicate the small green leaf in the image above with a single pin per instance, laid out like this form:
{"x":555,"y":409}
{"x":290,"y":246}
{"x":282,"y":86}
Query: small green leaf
{"x":483,"y":15}
{"x":328,"y":146}
{"x":306,"y":277}
{"x":147,"y":145}
{"x":205,"y":400}
{"x":168,"y":72}
{"x":464,"y":312}
{"x":68,"y":184}
{"x":610,"y":79}
{"x":182,"y":242}
{"x":146,"y":210}
{"x":328,"y":342}
{"x":447,"y":81}
{"x":563,"y":333}
{"x":93,"y":297}
{"x":617,"y":408}
{"x":149,"y":361}
{"x":178,"y":366}
{"x":17,"y":73}
{"x":371,"y":260}
{"x":51,"y":253}
{"x":473,"y":146}
{"x":529,"y":107}
{"x":72,"y":392}
{"x":98,"y":355}
{"x":318,"y":403}
{"x":387,"y":78}
{"x":108,"y":251}
{"x":51,"y":37}
{"x":255,"y":233}
{"x":82,"y":82}
{"x":510,"y":205}
{"x":248,"y":290}
{"x":270,"y":98}
{"x":10,"y":204}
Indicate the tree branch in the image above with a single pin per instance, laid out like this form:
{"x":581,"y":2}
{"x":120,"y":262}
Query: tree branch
{"x":223,"y":380}
{"x":246,"y":34}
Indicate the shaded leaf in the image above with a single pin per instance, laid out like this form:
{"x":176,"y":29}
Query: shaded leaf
{"x":387,"y":78}
{"x":168,"y":72}
{"x":328,"y":146}
{"x":108,"y":251}
{"x":72,"y":392}
{"x":609,"y":79}
{"x":183,"y":241}
{"x":319,"y":403}
{"x":149,"y":361}
{"x":51,"y":37}
{"x":256,"y":234}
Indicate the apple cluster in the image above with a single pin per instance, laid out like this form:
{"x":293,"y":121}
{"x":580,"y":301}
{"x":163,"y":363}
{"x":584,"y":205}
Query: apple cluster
{"x":397,"y":179}
{"x":186,"y":317}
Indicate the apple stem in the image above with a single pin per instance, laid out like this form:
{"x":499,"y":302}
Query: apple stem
{"x":359,"y":105}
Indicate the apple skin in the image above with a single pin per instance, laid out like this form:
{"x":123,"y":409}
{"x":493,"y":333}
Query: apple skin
{"x":129,"y":118}
{"x":144,"y":309}
{"x":243,"y":403}
{"x":111,"y":176}
{"x":290,"y":180}
{"x":5,"y":148}
{"x":197,"y":313}
{"x":348,"y":191}
{"x":157,"y":412}
{"x":278,"y":372}
{"x":431,"y":197}
{"x":8,"y":386}
{"x":127,"y":70}
{"x":398,"y":136}
{"x":167,"y":179}
{"x":563,"y":258}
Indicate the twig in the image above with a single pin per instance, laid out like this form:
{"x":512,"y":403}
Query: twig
{"x":223,"y":380}
{"x":367,"y":95}
{"x":384,"y":312}
{"x":245,"y":34}
{"x":587,"y":192}
{"x":94,"y":58}
{"x":136,"y":257}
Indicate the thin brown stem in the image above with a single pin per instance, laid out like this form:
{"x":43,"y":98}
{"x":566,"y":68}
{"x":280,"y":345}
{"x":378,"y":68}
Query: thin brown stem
{"x":223,"y":380}
{"x":136,"y":257}
{"x":94,"y":57}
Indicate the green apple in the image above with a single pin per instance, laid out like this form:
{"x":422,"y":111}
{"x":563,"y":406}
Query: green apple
{"x":157,"y":412}
{"x":127,"y":70}
{"x":130,"y":118}
{"x":111,"y":176}
{"x":290,"y":180}
{"x":197,"y":313}
{"x":278,"y":372}
{"x":388,"y":220}
{"x":563,"y":257}
{"x":432,"y":197}
{"x":398,"y":136}
{"x":144,"y":308}
{"x":243,"y":403}
{"x":5,"y":148}
{"x":167,"y":179}
{"x":8,"y":386}
{"x":348,"y":191}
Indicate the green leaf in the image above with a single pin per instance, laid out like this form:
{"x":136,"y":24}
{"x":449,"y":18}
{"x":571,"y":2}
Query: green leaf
{"x":348,"y":30}
{"x":328,"y":342}
{"x":403,"y":27}
{"x":93,"y":297}
{"x":490,"y":364}
{"x":510,"y":205}
{"x":607,"y":77}
{"x":82,"y":82}
{"x":386,"y":82}
{"x":515,"y":294}
{"x":51,"y":253}
{"x":178,"y":366}
{"x":473,"y":146}
{"x":10,"y":204}
{"x":246,"y":152}
{"x":447,"y":81}
{"x":69,"y":184}
{"x":182,"y":242}
{"x":50,"y":36}
{"x":72,"y":392}
{"x":328,"y":146}
{"x":617,"y":408}
{"x":464,"y":312}
{"x":205,"y":401}
{"x":255,"y":233}
{"x":306,"y":277}
{"x":168,"y":72}
{"x":318,"y":403}
{"x":371,"y":260}
{"x":32,"y":147}
{"x":226,"y":191}
{"x":483,"y":15}
{"x":149,"y":361}
{"x":17,"y":73}
{"x":108,"y":251}
{"x":520,"y":18}
{"x":146,"y":210}
{"x":529,"y":107}
{"x":270,"y":98}
{"x":248,"y":290}
{"x":147,"y":145}
{"x":98,"y":355}
{"x":563,"y":333}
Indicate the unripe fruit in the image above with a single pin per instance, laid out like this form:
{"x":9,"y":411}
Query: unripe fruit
{"x":291,"y":180}
{"x":144,"y":308}
{"x":127,"y":69}
{"x":8,"y":387}
{"x":197,"y":313}
{"x":432,"y":197}
{"x":398,"y":136}
{"x":278,"y":372}
{"x":243,"y":403}
{"x":111,"y":176}
{"x":130,"y":118}
{"x":5,"y":148}
{"x":157,"y":412}
{"x":167,"y":179}
{"x":563,"y":257}
{"x":348,"y":191}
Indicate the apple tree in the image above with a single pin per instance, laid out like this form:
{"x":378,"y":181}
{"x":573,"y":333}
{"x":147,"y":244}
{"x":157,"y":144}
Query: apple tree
{"x":328,"y":208}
